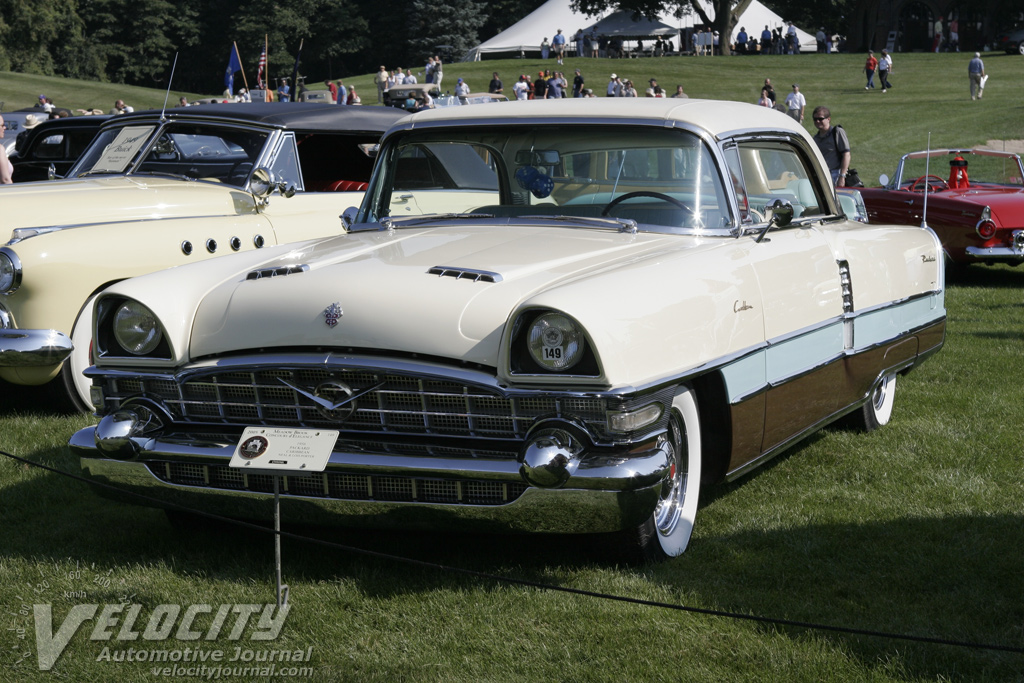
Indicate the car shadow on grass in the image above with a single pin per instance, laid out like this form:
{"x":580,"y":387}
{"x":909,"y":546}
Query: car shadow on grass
{"x":953,"y":577}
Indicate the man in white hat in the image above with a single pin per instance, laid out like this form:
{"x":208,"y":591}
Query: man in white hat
{"x":614,"y":86}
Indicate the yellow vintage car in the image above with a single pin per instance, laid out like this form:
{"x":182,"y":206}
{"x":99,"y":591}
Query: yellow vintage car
{"x":554,"y":317}
{"x":159,"y":189}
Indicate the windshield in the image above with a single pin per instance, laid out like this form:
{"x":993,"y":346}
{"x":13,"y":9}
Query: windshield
{"x":654,"y":176}
{"x":197,"y":151}
{"x":979,"y":168}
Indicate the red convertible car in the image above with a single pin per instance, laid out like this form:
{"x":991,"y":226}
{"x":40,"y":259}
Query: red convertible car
{"x":975,"y":202}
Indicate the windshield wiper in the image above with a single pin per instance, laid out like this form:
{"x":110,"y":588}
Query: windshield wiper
{"x":390,"y":221}
{"x":620,"y":224}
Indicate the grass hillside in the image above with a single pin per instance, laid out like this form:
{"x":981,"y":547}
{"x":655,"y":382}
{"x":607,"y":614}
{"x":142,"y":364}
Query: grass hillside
{"x":931,"y":93}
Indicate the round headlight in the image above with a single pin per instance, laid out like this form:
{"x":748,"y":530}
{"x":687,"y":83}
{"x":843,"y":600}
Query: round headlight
{"x":556,"y":342}
{"x":136,"y":328}
{"x":10,"y":272}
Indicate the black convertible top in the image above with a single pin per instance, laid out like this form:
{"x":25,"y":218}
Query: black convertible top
{"x":300,"y":116}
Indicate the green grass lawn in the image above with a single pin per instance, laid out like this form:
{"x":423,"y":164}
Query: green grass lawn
{"x":916,"y":528}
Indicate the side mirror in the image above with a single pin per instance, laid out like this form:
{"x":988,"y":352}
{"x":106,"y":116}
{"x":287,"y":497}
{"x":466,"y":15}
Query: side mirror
{"x":51,"y":172}
{"x":348,"y":217}
{"x":262,"y":183}
{"x":782,"y":215}
{"x":884,"y":180}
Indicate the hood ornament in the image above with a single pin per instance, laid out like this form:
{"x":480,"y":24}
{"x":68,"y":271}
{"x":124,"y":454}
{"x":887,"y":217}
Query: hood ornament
{"x":332,"y":314}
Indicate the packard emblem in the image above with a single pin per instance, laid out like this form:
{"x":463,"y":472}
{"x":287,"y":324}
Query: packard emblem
{"x":332,"y":314}
{"x":253,"y":447}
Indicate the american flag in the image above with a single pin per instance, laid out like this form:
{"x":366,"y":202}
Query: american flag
{"x":261,"y":67}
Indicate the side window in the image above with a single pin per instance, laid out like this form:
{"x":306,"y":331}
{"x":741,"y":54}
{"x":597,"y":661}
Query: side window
{"x":286,"y":163}
{"x":766,"y":171}
{"x":52,"y":147}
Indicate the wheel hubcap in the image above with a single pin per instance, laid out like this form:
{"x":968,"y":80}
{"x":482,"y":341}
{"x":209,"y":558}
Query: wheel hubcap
{"x":666,"y":515}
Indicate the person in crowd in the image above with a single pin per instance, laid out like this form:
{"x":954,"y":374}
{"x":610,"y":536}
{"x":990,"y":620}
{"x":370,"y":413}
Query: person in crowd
{"x":521,"y":89}
{"x":869,"y":68}
{"x":628,"y":90}
{"x":654,"y":90}
{"x":182,"y":102}
{"x":795,"y":104}
{"x":381,"y":81}
{"x":819,"y":39}
{"x":333,"y":89}
{"x":741,"y":41}
{"x":558,"y":45}
{"x":954,"y":35}
{"x":771,"y":91}
{"x":937,"y":42}
{"x":462,"y":90}
{"x":976,"y":72}
{"x":764,"y":100}
{"x":121,"y":108}
{"x":679,"y":94}
{"x":834,"y":145}
{"x":577,"y":43}
{"x":766,"y":41}
{"x":540,"y":86}
{"x":284,"y":91}
{"x":554,"y":90}
{"x":614,"y":86}
{"x":6,"y":167}
{"x":595,"y":44}
{"x":354,"y":98}
{"x":410,"y":77}
{"x":342,"y":93}
{"x":587,"y":92}
{"x":428,"y":71}
{"x":577,"y":84}
{"x":495,"y":86}
{"x":545,"y":48}
{"x":884,"y":69}
{"x":438,"y":71}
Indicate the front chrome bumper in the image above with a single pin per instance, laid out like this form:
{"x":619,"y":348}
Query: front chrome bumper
{"x":604,"y":493}
{"x":33,"y":348}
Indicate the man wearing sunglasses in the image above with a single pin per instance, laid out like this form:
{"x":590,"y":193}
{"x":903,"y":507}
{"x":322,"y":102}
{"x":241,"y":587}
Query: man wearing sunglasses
{"x":834,"y":145}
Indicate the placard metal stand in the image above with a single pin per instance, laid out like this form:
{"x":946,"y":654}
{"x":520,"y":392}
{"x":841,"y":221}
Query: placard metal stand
{"x":278,"y":453}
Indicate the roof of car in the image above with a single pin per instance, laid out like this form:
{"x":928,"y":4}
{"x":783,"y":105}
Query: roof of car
{"x":717,"y":117}
{"x":291,"y":115}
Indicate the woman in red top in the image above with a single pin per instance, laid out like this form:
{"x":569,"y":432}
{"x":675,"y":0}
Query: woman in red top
{"x":869,"y":69}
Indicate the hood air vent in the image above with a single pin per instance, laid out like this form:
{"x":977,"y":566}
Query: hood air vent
{"x":275,"y":272}
{"x":465,"y":274}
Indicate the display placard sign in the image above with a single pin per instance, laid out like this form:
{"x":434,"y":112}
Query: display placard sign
{"x":119,"y":153}
{"x":283,"y":450}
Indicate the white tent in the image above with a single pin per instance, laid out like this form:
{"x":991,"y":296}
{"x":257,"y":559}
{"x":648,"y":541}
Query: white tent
{"x":525,"y":35}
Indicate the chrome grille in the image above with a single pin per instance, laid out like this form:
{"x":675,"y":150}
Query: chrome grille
{"x":402,"y":404}
{"x":342,"y":486}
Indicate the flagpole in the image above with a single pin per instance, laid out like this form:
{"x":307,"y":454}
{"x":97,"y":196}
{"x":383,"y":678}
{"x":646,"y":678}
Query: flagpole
{"x":242,"y":69}
{"x":267,"y":97}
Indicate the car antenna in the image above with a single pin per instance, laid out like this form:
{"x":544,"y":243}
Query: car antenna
{"x":927,"y":166}
{"x":169,"y":81}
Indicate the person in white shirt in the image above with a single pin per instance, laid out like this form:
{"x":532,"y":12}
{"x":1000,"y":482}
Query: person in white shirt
{"x":521,"y":88}
{"x":884,"y":69}
{"x":795,"y":104}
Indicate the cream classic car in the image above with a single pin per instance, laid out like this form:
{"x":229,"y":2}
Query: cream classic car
{"x":545,"y":317}
{"x":159,"y":189}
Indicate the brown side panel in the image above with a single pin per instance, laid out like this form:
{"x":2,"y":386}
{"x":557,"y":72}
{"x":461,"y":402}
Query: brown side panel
{"x":794,"y":406}
{"x":747,"y":422}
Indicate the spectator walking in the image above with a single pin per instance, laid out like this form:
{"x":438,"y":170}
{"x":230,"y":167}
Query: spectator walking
{"x":680,"y":94}
{"x":766,"y":41}
{"x":342,"y":93}
{"x":333,"y":89}
{"x":771,"y":91}
{"x":834,"y":145}
{"x":462,"y":90}
{"x":545,"y":48}
{"x":577,"y":84}
{"x":884,"y":69}
{"x":869,"y":68}
{"x":410,"y":77}
{"x":614,"y":86}
{"x":438,"y":71}
{"x":795,"y":104}
{"x":654,"y":90}
{"x":353,"y":98}
{"x":764,"y":100}
{"x":495,"y":86}
{"x":554,"y":91}
{"x":976,"y":72}
{"x":540,"y":86}
{"x":792,"y":40}
{"x":381,"y":80}
{"x":558,"y":45}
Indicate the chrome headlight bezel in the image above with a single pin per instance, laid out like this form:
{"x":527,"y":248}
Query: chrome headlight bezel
{"x":550,"y":342}
{"x":126,"y":328}
{"x":10,"y":271}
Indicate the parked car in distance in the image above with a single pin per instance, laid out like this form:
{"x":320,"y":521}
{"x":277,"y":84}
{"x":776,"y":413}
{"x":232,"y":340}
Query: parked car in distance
{"x":1011,"y":41}
{"x":975,"y":202}
{"x":53,"y":146}
{"x":411,"y":97}
{"x":159,"y":189}
{"x":556,"y":316}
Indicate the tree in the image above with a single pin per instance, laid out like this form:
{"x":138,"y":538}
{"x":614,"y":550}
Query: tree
{"x":725,"y":14}
{"x":452,"y":22}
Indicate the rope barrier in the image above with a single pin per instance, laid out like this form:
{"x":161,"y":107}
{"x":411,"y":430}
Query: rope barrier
{"x":775,"y":621}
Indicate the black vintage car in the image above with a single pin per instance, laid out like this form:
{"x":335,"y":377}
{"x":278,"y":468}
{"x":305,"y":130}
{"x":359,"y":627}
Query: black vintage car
{"x":56,"y":143}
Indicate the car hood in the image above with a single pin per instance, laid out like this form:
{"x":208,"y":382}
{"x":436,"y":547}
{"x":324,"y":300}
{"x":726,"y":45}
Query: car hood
{"x":388,"y":298}
{"x":76,"y":202}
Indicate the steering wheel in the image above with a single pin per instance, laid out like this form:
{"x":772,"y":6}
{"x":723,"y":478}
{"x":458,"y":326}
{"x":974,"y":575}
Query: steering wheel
{"x":643,"y":193}
{"x":930,"y":180}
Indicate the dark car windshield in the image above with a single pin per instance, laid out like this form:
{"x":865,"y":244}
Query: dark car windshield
{"x":200,"y":151}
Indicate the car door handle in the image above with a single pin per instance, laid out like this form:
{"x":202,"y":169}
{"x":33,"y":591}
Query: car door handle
{"x":909,"y":202}
{"x":405,"y":197}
